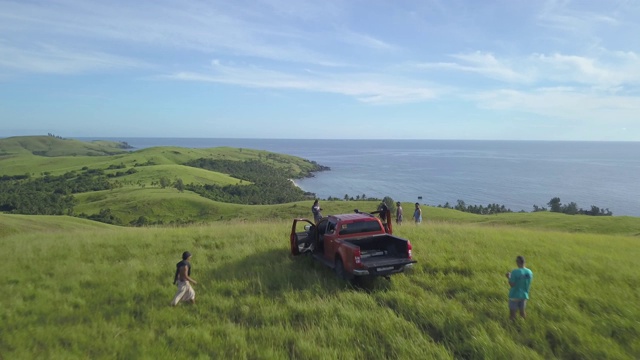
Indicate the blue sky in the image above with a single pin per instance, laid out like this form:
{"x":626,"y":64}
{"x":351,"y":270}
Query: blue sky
{"x":341,"y":69}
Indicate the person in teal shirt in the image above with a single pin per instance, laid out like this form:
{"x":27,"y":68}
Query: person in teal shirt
{"x":520,"y":282}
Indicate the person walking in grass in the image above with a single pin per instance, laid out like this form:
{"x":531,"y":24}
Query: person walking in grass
{"x":520,"y":282}
{"x":417,"y":214}
{"x":399,"y":214}
{"x":183,"y":280}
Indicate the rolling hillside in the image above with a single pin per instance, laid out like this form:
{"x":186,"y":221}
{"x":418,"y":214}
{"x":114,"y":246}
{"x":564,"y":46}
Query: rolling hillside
{"x":84,"y":289}
{"x":81,"y":289}
{"x":135,"y":175}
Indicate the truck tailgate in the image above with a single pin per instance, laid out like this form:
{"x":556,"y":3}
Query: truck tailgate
{"x":383,"y":254}
{"x":385,"y":265}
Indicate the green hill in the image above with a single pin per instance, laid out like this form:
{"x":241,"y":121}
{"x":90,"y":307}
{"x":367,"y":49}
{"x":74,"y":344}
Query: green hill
{"x":20,"y":155}
{"x":51,"y":146}
{"x":80,"y":289}
{"x":129,"y":184}
{"x":76,"y":288}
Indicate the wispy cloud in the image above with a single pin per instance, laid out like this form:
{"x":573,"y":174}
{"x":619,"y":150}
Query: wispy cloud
{"x":364,"y":40}
{"x":216,"y":28}
{"x":367,"y":88}
{"x":312,"y":46}
{"x":481,"y":63}
{"x":558,"y":14}
{"x":609,"y":70}
{"x":53,"y":60}
{"x":564,"y":103}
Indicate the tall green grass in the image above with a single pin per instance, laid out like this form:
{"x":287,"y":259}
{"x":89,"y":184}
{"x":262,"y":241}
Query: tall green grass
{"x":94,"y":291}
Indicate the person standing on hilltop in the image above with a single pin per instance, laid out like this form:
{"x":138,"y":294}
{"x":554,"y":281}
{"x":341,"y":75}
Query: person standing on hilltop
{"x":417,"y":214}
{"x":520,"y":282}
{"x":315,"y":209}
{"x":183,"y":280}
{"x":399,"y":213}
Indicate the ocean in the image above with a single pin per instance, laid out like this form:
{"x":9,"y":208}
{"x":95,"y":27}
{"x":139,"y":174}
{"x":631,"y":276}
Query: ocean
{"x":517,"y":174}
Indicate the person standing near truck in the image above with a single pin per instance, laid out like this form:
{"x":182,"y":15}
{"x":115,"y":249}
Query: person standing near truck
{"x":399,"y":214}
{"x":520,"y":282}
{"x":183,"y":281}
{"x":417,"y":214}
{"x":382,"y":211}
{"x":315,"y":209}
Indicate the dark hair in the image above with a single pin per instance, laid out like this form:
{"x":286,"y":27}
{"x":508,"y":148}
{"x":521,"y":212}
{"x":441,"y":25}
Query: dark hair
{"x":185,"y":255}
{"x":520,"y":259}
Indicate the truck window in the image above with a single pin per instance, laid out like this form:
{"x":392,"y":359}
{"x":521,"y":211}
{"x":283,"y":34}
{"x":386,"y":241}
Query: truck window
{"x":360,"y":227}
{"x":331,"y":226}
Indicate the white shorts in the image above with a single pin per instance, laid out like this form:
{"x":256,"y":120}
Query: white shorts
{"x":185,"y":293}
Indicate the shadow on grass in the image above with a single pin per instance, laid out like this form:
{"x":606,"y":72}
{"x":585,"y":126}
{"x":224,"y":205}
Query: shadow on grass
{"x":275,"y":272}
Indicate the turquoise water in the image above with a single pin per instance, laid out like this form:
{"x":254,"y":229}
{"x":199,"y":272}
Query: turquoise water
{"x":517,"y":174}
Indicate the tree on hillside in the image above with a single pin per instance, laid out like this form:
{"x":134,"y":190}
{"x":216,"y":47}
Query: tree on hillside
{"x":164,"y":182}
{"x":555,"y":205}
{"x":537,"y":208}
{"x":140,"y":221}
{"x":105,"y":216}
{"x":179,"y":184}
{"x":571,"y":208}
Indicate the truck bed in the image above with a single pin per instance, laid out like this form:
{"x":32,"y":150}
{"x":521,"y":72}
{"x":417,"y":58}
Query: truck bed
{"x":381,"y":246}
{"x":382,"y":254}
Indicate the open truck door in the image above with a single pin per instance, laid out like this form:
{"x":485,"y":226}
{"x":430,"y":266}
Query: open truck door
{"x":303,"y":236}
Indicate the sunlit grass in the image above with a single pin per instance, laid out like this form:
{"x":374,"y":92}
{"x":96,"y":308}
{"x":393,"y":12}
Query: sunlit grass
{"x":88,"y":290}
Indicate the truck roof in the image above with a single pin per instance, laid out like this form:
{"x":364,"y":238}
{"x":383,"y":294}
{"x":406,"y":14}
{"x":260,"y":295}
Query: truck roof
{"x":354,"y":216}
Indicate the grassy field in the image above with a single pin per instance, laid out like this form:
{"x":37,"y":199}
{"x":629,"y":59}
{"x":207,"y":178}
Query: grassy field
{"x":75,"y":289}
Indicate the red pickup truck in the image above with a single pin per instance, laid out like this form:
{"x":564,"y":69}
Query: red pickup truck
{"x":354,"y":245}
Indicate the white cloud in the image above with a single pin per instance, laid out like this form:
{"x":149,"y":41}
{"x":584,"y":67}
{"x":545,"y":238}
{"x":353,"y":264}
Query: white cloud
{"x":564,"y":103}
{"x":364,"y":40}
{"x":558,"y":14}
{"x":484,"y":64}
{"x":367,"y":88}
{"x":307,"y":10}
{"x":606,"y":70}
{"x":204,"y":27}
{"x":611,"y":70}
{"x":331,"y":47}
{"x":53,"y":60}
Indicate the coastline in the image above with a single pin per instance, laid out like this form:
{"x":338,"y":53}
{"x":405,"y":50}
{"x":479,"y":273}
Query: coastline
{"x":518,"y":174}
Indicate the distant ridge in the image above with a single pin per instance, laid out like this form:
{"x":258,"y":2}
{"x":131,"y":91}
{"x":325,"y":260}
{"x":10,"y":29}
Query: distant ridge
{"x":53,"y":146}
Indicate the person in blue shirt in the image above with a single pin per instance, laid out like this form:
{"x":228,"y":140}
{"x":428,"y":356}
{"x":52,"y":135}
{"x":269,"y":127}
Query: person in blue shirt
{"x":520,"y":282}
